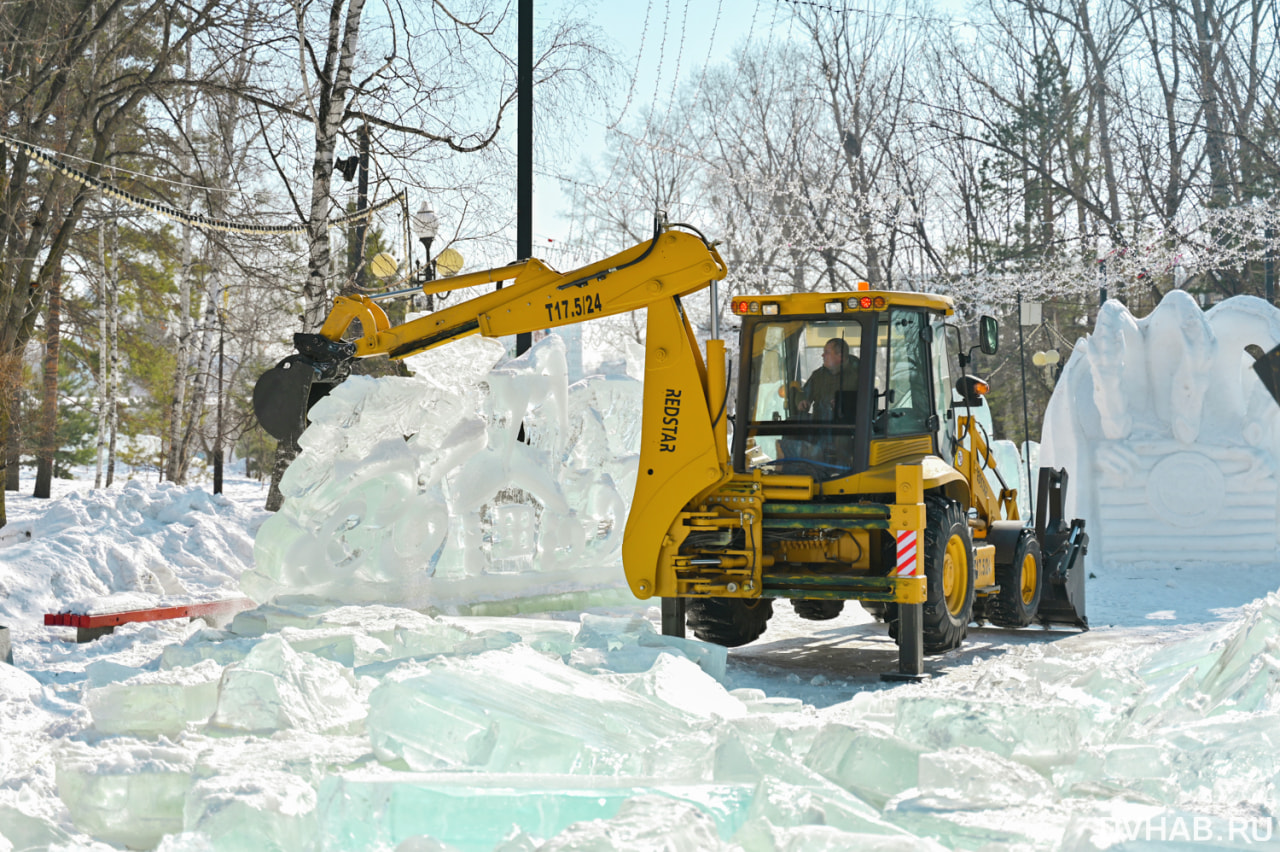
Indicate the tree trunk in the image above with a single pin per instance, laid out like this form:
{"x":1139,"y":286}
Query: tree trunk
{"x":47,"y":446}
{"x":4,"y":428}
{"x":204,"y":364}
{"x":113,"y":377}
{"x":13,"y":446}
{"x":175,"y":467}
{"x":103,"y":358}
{"x":335,"y":80}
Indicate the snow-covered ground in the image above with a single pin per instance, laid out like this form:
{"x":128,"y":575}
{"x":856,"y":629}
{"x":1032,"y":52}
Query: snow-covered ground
{"x":526,"y":702}
{"x":366,"y":727}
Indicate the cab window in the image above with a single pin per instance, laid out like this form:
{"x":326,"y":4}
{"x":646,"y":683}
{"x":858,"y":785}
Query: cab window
{"x":903,"y":389}
{"x":802,"y":393}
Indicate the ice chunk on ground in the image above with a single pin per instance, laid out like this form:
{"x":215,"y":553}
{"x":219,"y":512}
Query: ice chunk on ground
{"x":275,"y":687}
{"x":253,"y":810}
{"x":155,"y":703}
{"x":869,"y":762}
{"x":124,"y":792}
{"x":632,"y":645}
{"x":678,"y":683}
{"x":1039,"y":735}
{"x":642,"y":824}
{"x":781,"y":805}
{"x":23,"y":831}
{"x":518,"y":711}
{"x":475,"y":811}
{"x":970,"y":778}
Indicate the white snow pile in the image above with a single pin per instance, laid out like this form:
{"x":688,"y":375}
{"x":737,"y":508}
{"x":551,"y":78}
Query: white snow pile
{"x":419,"y":490}
{"x":135,"y":547}
{"x":1171,"y":441}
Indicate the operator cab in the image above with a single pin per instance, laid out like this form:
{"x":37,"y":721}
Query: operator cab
{"x":883,"y":393}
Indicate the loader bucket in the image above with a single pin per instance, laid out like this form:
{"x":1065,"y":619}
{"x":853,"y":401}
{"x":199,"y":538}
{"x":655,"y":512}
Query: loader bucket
{"x":1063,"y":547}
{"x":283,"y":396}
{"x":1268,"y":369}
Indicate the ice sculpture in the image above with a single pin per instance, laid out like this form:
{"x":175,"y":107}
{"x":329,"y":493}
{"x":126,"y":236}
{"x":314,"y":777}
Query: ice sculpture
{"x":419,"y":491}
{"x":1169,"y":439}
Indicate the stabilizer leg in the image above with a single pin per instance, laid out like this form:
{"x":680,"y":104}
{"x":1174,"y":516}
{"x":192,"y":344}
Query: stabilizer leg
{"x":910,"y":644}
{"x":673,"y":617}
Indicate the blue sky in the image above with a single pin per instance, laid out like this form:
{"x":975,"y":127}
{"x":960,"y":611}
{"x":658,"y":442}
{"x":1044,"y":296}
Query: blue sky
{"x":658,"y":44}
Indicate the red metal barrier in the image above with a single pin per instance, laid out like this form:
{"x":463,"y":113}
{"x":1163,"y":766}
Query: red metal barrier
{"x":92,"y":626}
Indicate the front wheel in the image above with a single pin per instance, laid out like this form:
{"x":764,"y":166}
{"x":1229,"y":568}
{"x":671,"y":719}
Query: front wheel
{"x":1021,"y":584}
{"x":729,"y":621}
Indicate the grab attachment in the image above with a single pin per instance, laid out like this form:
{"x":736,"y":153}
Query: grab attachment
{"x":284,"y":394}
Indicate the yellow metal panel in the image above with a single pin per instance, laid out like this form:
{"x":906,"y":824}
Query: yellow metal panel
{"x":909,"y":516}
{"x":815,"y":303}
{"x":891,"y":449}
{"x":910,"y":483}
{"x":679,"y":461}
{"x":909,"y":590}
{"x":881,"y":479}
{"x":984,"y":565}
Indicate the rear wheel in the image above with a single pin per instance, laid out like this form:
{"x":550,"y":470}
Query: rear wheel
{"x":729,"y":621}
{"x":823,"y":610}
{"x":1021,"y":584}
{"x":947,"y":576}
{"x":949,"y":579}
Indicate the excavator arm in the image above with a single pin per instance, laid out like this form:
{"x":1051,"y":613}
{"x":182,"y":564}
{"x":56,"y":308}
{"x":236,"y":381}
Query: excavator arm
{"x":671,"y":265}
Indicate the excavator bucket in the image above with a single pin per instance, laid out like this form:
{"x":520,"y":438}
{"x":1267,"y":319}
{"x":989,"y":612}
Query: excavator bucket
{"x":285,"y":393}
{"x":1063,"y":547}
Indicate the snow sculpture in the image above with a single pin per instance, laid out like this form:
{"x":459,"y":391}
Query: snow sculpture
{"x":419,"y":491}
{"x":1170,"y":440}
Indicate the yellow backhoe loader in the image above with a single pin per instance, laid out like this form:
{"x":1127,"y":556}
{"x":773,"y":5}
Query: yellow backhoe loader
{"x":853,"y":475}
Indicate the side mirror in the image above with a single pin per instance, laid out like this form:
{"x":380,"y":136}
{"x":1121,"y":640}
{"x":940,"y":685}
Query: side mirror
{"x":989,"y":335}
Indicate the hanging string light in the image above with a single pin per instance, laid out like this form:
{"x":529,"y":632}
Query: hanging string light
{"x":195,"y":220}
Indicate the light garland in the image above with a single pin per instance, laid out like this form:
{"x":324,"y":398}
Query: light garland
{"x":205,"y":223}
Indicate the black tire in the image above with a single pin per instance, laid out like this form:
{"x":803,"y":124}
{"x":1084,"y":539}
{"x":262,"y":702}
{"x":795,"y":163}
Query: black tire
{"x":948,"y":609}
{"x":879,"y":609}
{"x":819,"y":610}
{"x":728,"y":621}
{"x":948,"y":606}
{"x":1021,"y":585}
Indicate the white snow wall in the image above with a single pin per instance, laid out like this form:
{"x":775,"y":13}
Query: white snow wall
{"x":417,"y":491}
{"x":1170,"y":440}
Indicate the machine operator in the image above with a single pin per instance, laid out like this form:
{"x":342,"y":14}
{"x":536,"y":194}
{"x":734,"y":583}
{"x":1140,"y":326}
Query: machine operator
{"x":830,"y":391}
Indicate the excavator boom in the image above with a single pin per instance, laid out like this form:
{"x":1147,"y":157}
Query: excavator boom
{"x":671,"y":265}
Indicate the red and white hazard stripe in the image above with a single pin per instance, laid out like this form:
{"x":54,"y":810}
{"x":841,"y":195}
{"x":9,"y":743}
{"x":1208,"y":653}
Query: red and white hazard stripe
{"x":907,"y":551}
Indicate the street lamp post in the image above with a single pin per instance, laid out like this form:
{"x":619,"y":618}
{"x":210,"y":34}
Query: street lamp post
{"x":426,"y":225}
